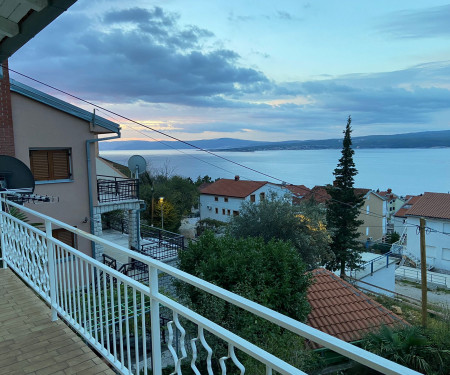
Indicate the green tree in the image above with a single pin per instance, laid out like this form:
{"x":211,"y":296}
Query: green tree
{"x":203,"y":180}
{"x":163,"y":210}
{"x":275,"y":217}
{"x":272,"y":274}
{"x":179,"y":191}
{"x":343,"y":210}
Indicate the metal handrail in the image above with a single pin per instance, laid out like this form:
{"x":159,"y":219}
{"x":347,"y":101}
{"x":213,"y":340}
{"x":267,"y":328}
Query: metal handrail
{"x":62,"y":265}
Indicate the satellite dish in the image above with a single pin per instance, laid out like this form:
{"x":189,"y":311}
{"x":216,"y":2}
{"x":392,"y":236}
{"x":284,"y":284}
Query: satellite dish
{"x":137,"y":165}
{"x":15,"y":176}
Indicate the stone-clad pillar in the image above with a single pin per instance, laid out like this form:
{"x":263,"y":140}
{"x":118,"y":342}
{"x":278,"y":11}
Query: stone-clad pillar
{"x":133,"y":229}
{"x":98,"y":231}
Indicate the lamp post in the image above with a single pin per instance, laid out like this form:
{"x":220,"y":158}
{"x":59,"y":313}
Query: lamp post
{"x":161,"y":201}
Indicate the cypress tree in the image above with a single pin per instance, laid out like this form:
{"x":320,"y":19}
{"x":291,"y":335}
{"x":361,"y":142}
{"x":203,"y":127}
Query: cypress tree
{"x":343,"y":210}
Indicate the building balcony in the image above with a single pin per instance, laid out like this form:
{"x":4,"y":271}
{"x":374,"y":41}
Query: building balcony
{"x":116,"y":189}
{"x":140,"y":328}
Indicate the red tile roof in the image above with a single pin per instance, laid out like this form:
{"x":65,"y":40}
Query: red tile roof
{"x":299,"y":190}
{"x":320,"y":194}
{"x":401,"y":212}
{"x":232,"y":188}
{"x":410,"y":201}
{"x":341,"y":310}
{"x":435,"y":205}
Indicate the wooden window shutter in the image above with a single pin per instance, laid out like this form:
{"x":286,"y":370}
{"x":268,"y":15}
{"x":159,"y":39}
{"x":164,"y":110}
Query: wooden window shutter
{"x":50,"y":164}
{"x":40,"y":166}
{"x":60,"y":162}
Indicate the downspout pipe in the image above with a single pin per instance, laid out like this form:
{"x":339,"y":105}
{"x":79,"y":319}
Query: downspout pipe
{"x":91,"y":200}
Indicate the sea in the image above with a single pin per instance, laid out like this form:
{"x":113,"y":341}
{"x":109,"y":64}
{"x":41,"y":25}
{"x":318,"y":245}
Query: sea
{"x":405,"y":171}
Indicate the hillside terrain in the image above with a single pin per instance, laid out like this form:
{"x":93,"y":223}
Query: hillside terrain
{"x":431,"y":139}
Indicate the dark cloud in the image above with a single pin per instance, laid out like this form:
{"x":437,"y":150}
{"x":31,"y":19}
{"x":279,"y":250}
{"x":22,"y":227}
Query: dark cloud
{"x":145,"y":56}
{"x":160,"y":26}
{"x":424,"y":23}
{"x":155,"y":61}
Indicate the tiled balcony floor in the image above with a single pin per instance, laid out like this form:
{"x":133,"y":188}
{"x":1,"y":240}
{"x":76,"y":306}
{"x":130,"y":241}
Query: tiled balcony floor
{"x":30,"y":343}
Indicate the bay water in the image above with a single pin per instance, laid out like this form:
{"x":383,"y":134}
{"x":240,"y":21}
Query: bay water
{"x":405,"y":171}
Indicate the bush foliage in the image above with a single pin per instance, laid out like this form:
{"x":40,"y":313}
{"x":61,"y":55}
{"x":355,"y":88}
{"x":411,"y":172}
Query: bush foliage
{"x":271,"y":273}
{"x":275,"y":217}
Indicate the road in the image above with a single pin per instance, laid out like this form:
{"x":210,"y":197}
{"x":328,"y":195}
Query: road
{"x":436,"y":297}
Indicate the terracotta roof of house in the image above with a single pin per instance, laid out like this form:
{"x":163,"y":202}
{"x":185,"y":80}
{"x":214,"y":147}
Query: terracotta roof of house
{"x":232,"y":188}
{"x":401,"y":212}
{"x":300,"y":190}
{"x":320,"y":194}
{"x":436,"y":205}
{"x":341,"y":310}
{"x":410,"y":201}
{"x":388,"y":194}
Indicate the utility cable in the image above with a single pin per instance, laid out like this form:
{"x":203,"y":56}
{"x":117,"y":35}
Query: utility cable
{"x":368,"y":213}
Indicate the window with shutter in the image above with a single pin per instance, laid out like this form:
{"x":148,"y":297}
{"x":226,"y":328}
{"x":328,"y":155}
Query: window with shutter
{"x":48,"y":165}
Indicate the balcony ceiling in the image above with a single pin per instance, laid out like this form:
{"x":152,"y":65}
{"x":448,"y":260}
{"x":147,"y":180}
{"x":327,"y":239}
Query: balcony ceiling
{"x":21,"y":20}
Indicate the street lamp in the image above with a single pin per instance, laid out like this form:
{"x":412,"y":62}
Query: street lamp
{"x":161,"y":201}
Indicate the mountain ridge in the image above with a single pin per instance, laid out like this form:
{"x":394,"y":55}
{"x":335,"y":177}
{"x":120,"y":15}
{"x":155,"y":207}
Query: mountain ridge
{"x":427,"y":139}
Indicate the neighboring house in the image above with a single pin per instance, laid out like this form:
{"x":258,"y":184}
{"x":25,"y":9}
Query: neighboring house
{"x":374,"y":216}
{"x":223,"y":198}
{"x":341,"y":310}
{"x":394,"y":202}
{"x":399,"y":217}
{"x":58,"y":142}
{"x":435,"y":208}
{"x":373,"y":211}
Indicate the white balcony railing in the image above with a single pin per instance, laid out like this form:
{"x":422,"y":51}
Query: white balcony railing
{"x":121,"y":318}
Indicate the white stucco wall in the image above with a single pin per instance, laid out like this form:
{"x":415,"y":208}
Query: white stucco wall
{"x":208,"y":203}
{"x":437,"y":244}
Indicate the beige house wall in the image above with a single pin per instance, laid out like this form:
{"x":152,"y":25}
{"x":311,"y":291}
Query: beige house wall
{"x":374,"y":222}
{"x":37,"y":125}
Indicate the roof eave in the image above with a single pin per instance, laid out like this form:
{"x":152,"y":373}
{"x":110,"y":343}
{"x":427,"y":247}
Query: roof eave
{"x":63,"y":106}
{"x":32,"y":25}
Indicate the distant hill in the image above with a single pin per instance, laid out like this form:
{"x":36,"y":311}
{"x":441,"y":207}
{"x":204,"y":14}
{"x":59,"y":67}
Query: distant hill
{"x":218,"y":143}
{"x":432,"y":139}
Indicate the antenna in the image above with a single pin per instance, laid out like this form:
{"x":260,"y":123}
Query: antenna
{"x":137,"y":165}
{"x":17,"y":181}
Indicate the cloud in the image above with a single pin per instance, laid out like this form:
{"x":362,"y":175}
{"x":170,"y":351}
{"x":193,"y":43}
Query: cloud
{"x":145,"y":60}
{"x":423,"y":23}
{"x":154,"y":60}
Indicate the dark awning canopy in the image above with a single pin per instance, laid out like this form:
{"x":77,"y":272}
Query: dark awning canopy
{"x":21,"y":20}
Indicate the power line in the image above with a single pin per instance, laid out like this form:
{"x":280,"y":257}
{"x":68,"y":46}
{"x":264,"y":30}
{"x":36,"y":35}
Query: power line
{"x":146,"y":126}
{"x":368,"y":213}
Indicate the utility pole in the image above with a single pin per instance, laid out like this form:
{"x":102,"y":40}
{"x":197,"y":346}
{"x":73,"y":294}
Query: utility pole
{"x":423,"y":271}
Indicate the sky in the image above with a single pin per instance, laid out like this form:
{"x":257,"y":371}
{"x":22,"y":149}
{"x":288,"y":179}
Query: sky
{"x":255,"y":69}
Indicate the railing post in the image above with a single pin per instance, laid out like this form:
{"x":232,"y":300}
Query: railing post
{"x":51,"y":268}
{"x":2,"y":230}
{"x":155,"y":324}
